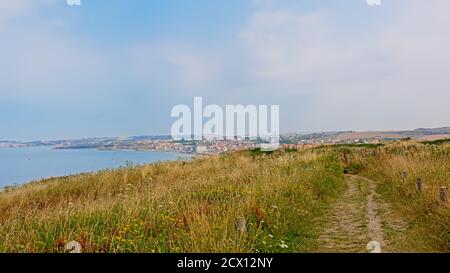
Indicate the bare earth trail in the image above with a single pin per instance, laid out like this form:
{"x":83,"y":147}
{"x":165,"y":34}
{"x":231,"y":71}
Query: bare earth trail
{"x":355,"y":219}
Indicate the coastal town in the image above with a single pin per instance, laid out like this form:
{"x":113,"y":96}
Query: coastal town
{"x":215,"y":146}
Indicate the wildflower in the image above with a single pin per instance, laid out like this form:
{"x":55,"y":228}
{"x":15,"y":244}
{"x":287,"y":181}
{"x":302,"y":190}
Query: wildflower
{"x":259,"y":214}
{"x":283,"y":245}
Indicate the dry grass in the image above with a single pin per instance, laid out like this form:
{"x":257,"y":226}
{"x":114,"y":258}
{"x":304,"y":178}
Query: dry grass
{"x":191,"y":206}
{"x":176,"y":206}
{"x":428,"y":221}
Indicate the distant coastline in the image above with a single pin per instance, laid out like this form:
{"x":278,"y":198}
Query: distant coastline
{"x":164,"y":143}
{"x":22,"y":165}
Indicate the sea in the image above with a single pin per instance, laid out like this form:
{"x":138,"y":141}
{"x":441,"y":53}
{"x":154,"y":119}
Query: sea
{"x":21,"y":165}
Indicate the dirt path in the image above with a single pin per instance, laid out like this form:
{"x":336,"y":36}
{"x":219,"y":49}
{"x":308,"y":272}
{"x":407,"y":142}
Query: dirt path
{"x":375,"y":228}
{"x":353,"y":220}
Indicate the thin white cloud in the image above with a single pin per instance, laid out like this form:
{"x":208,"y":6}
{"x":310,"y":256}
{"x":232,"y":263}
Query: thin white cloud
{"x":393,"y":75}
{"x":19,"y":8}
{"x":43,"y":61}
{"x":12,"y":9}
{"x":374,"y":79}
{"x":175,"y":67}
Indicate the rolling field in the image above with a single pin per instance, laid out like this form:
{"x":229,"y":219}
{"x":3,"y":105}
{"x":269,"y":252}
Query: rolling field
{"x":311,"y":200}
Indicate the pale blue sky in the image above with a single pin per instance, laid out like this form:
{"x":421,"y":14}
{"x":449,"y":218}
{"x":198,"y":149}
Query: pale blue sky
{"x":116,"y":68}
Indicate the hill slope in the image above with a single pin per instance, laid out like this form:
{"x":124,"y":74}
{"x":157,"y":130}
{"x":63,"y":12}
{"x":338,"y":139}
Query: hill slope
{"x":192,"y":206}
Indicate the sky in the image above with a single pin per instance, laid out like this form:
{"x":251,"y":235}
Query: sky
{"x":117,"y":67}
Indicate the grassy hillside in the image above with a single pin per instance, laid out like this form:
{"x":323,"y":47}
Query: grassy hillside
{"x":396,"y":167}
{"x":177,"y":206}
{"x":192,"y":206}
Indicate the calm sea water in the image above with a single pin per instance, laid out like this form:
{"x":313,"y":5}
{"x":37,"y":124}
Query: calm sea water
{"x":20,"y":165}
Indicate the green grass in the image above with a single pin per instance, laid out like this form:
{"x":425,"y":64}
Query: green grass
{"x":428,"y":221}
{"x":192,"y":206}
{"x":437,"y":142}
{"x":177,"y":206}
{"x":353,"y":145}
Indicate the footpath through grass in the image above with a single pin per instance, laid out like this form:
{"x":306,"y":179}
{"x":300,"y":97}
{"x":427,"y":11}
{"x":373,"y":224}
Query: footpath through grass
{"x":413,"y":220}
{"x":192,"y":206}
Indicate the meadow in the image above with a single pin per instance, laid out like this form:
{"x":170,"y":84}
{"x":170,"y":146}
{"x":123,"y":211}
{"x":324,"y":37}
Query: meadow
{"x":194,"y":205}
{"x":397,"y":167}
{"x":182,"y":206}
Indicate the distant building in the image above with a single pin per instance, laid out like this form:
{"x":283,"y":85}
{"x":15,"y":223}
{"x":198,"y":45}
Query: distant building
{"x":201,"y":149}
